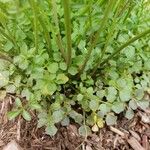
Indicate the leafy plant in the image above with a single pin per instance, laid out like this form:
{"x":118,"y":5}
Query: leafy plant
{"x":81,"y":60}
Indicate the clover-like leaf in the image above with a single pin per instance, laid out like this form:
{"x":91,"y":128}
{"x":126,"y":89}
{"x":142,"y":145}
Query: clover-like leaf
{"x":57,"y":115}
{"x":65,"y":121}
{"x":18,"y":102}
{"x":52,"y":67}
{"x":111,"y":94}
{"x":26,"y":115}
{"x":94,"y":104}
{"x":129,"y":113}
{"x":118,"y":107}
{"x":125,"y":95}
{"x":13,"y":114}
{"x":133,"y":104}
{"x":63,"y":66}
{"x":84,"y":131}
{"x":51,"y":130}
{"x":111,"y":119}
{"x":73,"y":70}
{"x":104,"y":109}
{"x":62,"y":78}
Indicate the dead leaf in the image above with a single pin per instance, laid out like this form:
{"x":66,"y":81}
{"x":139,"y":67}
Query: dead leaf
{"x":12,"y":146}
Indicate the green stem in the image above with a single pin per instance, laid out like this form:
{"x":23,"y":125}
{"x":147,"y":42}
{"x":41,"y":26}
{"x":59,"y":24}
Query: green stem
{"x":94,"y":42}
{"x":33,"y":6}
{"x":67,"y":17}
{"x":43,"y":25}
{"x":58,"y":36}
{"x":109,"y":36}
{"x":125,"y":45}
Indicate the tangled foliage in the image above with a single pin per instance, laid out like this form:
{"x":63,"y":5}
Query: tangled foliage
{"x":83,"y":61}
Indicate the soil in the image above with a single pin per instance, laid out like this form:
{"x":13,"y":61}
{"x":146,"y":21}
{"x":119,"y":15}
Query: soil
{"x":126,"y":135}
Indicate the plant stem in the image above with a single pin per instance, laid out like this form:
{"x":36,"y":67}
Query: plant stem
{"x":94,"y":42}
{"x":33,"y":6}
{"x":67,"y":18}
{"x":109,"y":36}
{"x":125,"y":45}
{"x":58,"y":36}
{"x":42,"y":23}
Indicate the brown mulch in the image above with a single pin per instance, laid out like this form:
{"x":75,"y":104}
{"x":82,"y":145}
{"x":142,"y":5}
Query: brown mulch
{"x":126,"y":135}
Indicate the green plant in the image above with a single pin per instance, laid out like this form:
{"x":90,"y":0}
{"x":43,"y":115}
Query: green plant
{"x":84,"y":60}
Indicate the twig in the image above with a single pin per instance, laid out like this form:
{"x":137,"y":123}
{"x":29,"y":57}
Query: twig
{"x":117,"y":131}
{"x":135,"y":144}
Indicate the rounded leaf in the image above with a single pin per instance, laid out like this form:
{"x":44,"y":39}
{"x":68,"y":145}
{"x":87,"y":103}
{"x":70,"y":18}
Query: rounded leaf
{"x":111,"y":119}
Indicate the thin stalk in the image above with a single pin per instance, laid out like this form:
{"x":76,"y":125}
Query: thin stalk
{"x":33,"y":6}
{"x":110,"y":35}
{"x":58,"y":36}
{"x":42,"y":23}
{"x":125,"y":45}
{"x":67,"y":18}
{"x":94,"y":42}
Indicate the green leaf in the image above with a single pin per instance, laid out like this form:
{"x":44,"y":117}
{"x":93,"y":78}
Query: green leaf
{"x":26,"y":115}
{"x":79,"y":97}
{"x":139,"y":94}
{"x":62,"y":78}
{"x":13,"y":114}
{"x":84,"y":131}
{"x":8,"y":46}
{"x":42,"y":122}
{"x":63,"y":66}
{"x":111,"y":94}
{"x":18,"y":102}
{"x":73,"y":70}
{"x":104,"y":109}
{"x":65,"y":121}
{"x":129,"y":113}
{"x":101,"y":93}
{"x":57,"y":115}
{"x":35,"y":106}
{"x":118,"y":107}
{"x":76,"y":116}
{"x":51,"y":130}
{"x":125,"y":95}
{"x":111,"y":119}
{"x":10,"y":88}
{"x":94,"y":104}
{"x":129,"y":51}
{"x":57,"y":56}
{"x":143,"y":104}
{"x":52,"y":67}
{"x":26,"y":93}
{"x":133,"y":104}
{"x":121,"y":83}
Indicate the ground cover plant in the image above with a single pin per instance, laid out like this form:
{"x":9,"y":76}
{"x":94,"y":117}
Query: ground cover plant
{"x":83,"y":61}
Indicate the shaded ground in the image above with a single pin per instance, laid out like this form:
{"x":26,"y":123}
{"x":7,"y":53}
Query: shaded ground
{"x":126,"y":135}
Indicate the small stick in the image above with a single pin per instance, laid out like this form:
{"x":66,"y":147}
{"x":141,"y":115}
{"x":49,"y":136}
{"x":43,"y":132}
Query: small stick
{"x":135,"y":144}
{"x":117,"y":131}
